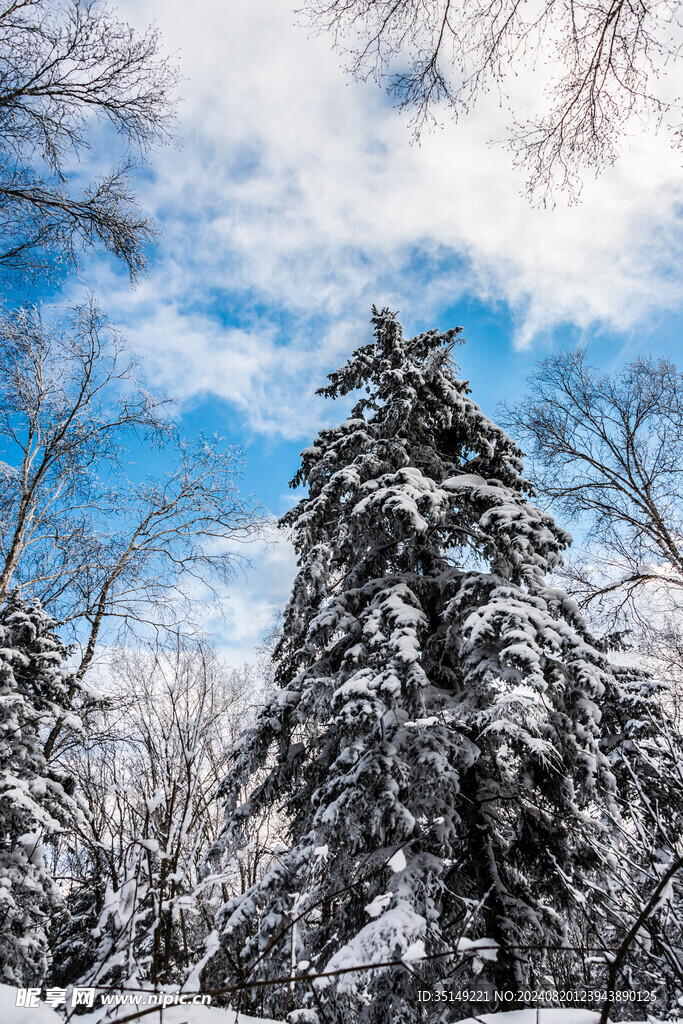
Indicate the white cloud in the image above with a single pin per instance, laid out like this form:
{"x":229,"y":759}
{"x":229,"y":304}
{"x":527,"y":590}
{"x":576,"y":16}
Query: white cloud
{"x":297,"y":191}
{"x":272,"y":384}
{"x":254,"y":599}
{"x":296,"y":200}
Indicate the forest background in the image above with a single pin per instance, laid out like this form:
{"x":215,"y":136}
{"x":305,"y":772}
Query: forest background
{"x":289,"y":198}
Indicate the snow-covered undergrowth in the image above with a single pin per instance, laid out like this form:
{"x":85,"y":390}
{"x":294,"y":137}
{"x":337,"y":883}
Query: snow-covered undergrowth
{"x":43,"y":1014}
{"x":10,"y":1013}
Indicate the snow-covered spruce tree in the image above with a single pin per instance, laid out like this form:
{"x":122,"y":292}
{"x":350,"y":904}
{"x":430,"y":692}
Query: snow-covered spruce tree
{"x":435,"y":739}
{"x":36,"y":800}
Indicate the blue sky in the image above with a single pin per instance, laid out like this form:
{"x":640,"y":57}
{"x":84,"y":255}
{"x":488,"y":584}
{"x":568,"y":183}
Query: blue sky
{"x":295,"y":200}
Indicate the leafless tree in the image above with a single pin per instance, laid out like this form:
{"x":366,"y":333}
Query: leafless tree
{"x":149,"y":766}
{"x":607,"y":451}
{"x":77,"y":530}
{"x":608,"y":62}
{"x":64,"y":63}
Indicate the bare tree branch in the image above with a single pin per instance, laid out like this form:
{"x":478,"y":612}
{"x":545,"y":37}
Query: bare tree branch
{"x":75,"y":530}
{"x":64,"y":63}
{"x":608,"y":62}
